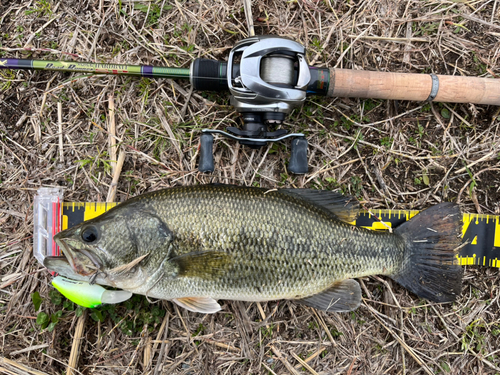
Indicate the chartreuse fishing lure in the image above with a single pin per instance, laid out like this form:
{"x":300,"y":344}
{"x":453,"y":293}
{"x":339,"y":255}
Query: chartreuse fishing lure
{"x":88,"y":295}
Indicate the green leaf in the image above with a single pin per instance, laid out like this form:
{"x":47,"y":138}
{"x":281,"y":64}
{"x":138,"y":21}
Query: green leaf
{"x":55,"y":317}
{"x":471,"y":187}
{"x":51,"y":326}
{"x":141,"y":7}
{"x":445,"y":367}
{"x":55,"y":297}
{"x":69,"y":305}
{"x":445,"y":113}
{"x":425,"y":178}
{"x":37,"y":300}
{"x":97,"y":316}
{"x":42,"y":319}
{"x":79,"y":311}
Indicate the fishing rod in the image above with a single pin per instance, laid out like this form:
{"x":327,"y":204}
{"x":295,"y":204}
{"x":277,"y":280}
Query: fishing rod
{"x":268,"y":77}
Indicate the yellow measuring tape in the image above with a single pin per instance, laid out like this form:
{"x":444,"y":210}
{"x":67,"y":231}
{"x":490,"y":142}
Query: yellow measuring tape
{"x":481,"y":233}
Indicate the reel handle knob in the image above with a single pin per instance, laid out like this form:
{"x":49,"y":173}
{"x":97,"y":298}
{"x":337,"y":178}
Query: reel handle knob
{"x":206,"y":153}
{"x":298,"y":157}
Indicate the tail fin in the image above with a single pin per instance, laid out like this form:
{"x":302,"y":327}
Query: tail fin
{"x":430,"y":268}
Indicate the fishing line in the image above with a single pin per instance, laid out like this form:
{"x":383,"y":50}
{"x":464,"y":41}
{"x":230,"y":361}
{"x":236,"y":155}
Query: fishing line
{"x":278,"y":69}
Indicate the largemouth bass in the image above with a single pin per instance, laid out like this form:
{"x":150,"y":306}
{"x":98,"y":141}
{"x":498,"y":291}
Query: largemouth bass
{"x":198,"y":244}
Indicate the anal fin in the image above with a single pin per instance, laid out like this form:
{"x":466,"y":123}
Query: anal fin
{"x":205,"y":305}
{"x":341,"y":297}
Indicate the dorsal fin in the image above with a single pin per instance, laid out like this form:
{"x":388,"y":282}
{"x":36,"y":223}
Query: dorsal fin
{"x":344,"y":207}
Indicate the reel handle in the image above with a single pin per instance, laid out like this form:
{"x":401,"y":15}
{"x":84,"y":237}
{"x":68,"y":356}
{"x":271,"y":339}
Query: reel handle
{"x":410,"y":86}
{"x":298,"y":157}
{"x":206,"y":153}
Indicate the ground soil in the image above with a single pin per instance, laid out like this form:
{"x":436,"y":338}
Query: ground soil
{"x":389,"y":154}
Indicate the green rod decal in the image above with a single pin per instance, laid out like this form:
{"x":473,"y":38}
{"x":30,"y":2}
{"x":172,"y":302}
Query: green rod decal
{"x":97,"y":68}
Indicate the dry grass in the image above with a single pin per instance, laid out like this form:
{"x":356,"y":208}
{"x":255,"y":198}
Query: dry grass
{"x":389,"y":154}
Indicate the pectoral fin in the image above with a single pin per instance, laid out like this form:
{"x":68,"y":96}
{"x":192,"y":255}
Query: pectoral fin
{"x":341,"y":297}
{"x":204,"y":264}
{"x":205,"y":305}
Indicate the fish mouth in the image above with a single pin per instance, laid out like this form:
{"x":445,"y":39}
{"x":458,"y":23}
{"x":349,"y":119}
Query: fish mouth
{"x":82,"y":261}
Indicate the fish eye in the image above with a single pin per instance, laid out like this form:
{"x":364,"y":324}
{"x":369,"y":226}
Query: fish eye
{"x":90,"y":234}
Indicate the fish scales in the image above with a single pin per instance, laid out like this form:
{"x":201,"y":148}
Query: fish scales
{"x":279,"y":246}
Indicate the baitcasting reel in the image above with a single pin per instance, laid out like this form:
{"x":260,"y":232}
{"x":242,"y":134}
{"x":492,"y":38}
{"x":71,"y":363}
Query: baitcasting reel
{"x":267,"y":77}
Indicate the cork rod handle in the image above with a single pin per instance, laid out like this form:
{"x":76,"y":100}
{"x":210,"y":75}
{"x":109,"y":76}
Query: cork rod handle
{"x":418,"y":87}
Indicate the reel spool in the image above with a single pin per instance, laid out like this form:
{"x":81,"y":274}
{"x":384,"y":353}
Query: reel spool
{"x":267,"y":77}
